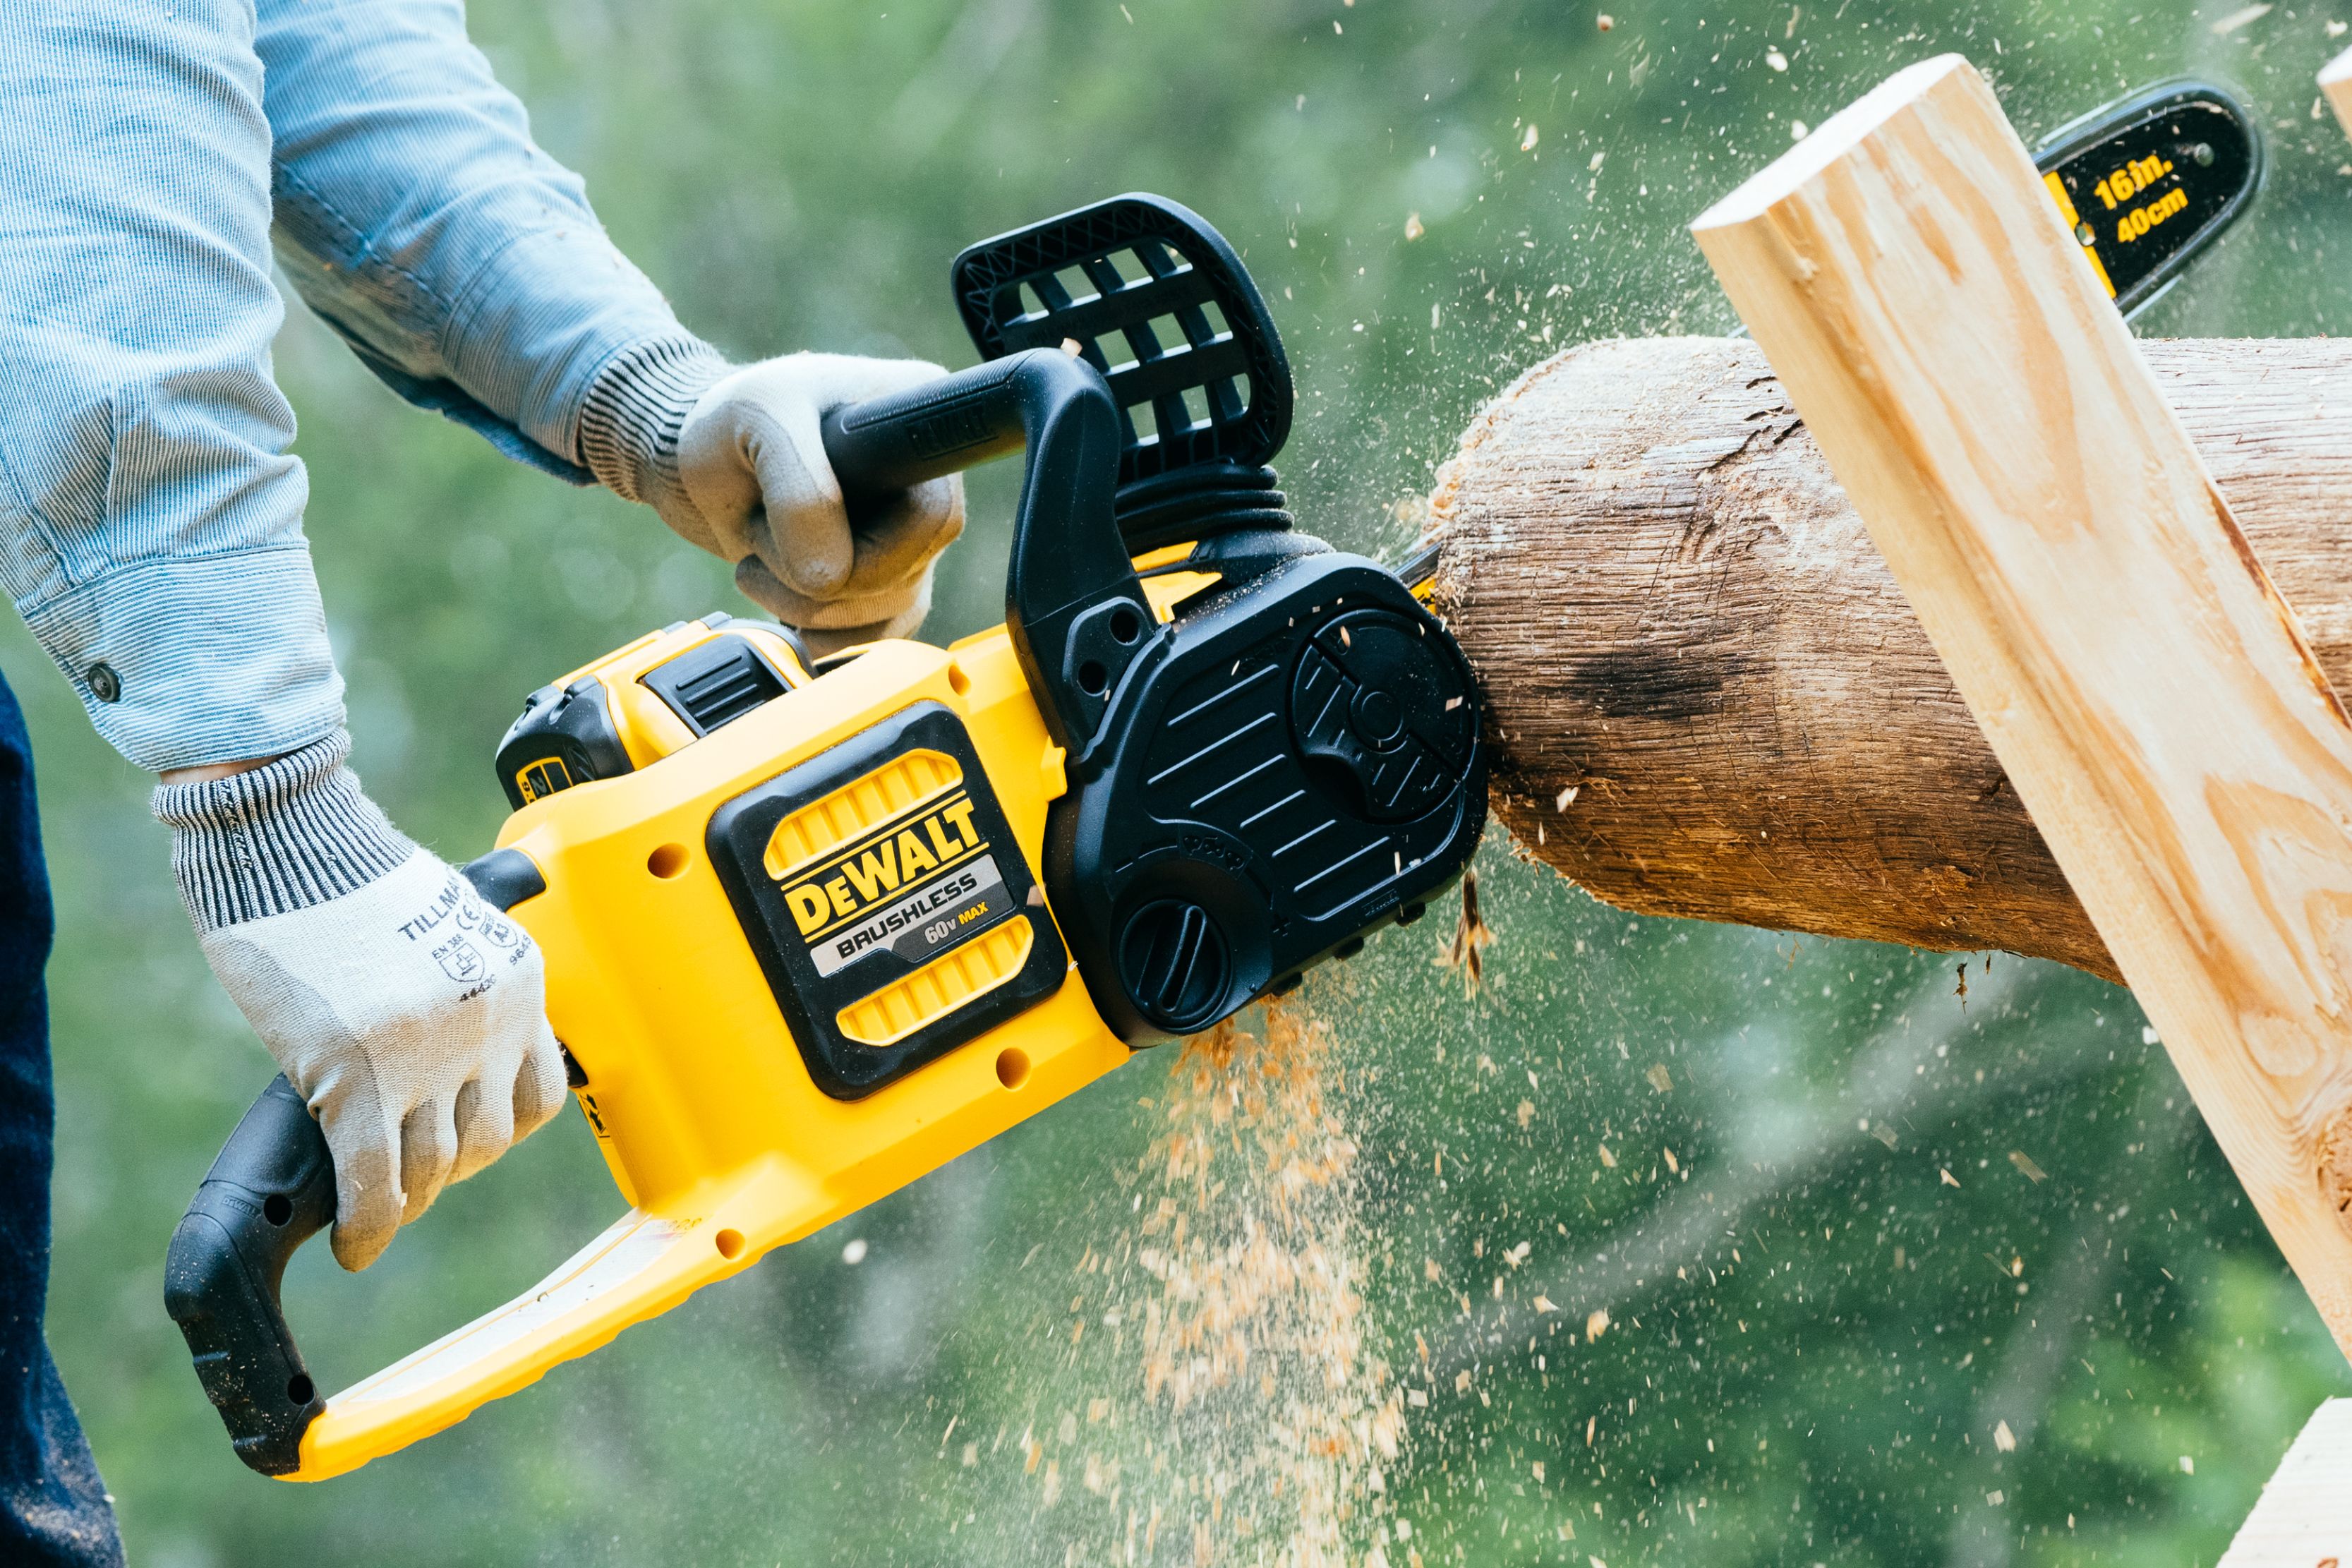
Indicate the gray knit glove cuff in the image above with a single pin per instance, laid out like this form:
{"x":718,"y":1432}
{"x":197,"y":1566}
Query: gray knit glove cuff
{"x":629,"y":424}
{"x":277,"y":838}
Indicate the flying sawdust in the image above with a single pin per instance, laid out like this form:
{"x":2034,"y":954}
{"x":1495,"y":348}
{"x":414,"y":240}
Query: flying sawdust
{"x":1261,"y":1420}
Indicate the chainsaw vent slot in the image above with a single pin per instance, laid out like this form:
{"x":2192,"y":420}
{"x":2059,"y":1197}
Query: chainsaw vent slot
{"x":1176,"y":964}
{"x":714,"y":683}
{"x":824,"y":825}
{"x":940,"y":986}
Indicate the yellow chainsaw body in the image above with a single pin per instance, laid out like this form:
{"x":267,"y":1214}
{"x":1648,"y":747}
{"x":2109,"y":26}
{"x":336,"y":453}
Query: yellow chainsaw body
{"x":721,"y":1140}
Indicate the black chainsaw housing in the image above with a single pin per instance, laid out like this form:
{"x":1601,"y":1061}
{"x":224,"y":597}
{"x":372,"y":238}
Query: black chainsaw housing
{"x":1290,"y":762}
{"x":1295,"y":762}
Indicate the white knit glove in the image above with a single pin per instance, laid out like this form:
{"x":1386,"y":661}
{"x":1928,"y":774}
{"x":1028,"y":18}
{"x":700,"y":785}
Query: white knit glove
{"x":405,"y":1011}
{"x":733,"y":459}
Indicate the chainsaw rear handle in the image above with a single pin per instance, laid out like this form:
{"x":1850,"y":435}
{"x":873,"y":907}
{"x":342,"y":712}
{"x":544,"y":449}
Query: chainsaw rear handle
{"x":1075,"y":610}
{"x":272,"y":1189}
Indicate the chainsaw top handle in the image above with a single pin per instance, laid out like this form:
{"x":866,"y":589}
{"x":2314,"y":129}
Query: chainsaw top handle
{"x":1077,"y":612}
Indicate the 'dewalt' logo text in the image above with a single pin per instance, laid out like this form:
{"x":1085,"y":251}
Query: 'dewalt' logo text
{"x":873,"y":871}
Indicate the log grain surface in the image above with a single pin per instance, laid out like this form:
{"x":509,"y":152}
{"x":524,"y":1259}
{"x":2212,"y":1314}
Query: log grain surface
{"x":1677,"y":614}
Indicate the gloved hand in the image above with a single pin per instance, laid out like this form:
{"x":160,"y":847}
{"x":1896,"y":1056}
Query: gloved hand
{"x":406,"y":1012}
{"x":733,"y":459}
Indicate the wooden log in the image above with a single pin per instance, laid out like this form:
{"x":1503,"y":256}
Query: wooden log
{"x":2304,"y":1518}
{"x":1680,"y":617}
{"x":2148,"y":693}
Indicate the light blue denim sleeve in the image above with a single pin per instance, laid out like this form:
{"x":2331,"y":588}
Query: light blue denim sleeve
{"x":151,"y":515}
{"x":419,"y":219}
{"x":151,"y":512}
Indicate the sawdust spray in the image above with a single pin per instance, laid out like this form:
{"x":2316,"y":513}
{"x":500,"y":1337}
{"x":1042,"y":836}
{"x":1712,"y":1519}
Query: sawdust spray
{"x":1245,"y":1415}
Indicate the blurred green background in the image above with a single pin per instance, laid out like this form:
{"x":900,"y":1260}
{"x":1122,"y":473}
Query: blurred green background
{"x":1817,"y":1335}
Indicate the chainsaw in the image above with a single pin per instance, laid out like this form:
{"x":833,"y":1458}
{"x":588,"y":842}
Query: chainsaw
{"x":813,"y":928}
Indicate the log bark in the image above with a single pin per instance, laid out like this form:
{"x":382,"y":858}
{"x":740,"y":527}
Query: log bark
{"x":1678,"y":617}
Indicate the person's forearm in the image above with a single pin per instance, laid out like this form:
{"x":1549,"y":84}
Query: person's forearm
{"x":154,"y":539}
{"x":420,"y":221}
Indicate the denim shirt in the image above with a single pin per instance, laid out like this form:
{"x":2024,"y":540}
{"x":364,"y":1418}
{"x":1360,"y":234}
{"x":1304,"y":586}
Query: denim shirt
{"x":151,"y":152}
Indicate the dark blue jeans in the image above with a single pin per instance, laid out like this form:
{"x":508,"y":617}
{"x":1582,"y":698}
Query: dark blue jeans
{"x":53,"y":1508}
